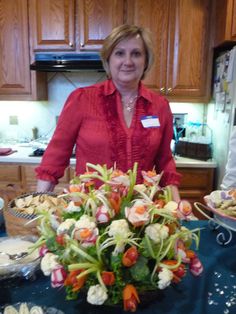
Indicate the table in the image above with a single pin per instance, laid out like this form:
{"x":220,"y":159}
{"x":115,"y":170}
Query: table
{"x":214,"y":292}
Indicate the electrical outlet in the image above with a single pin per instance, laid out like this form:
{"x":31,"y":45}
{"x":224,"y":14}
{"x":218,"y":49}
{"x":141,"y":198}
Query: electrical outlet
{"x":13,"y":120}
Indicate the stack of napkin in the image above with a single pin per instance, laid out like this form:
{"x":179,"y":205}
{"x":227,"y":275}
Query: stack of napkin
{"x":6,"y":151}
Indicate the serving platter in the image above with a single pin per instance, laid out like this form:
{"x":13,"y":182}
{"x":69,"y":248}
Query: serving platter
{"x":221,"y":206}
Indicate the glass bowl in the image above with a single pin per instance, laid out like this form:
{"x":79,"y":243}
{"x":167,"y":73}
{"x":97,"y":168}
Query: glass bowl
{"x":24,"y":267}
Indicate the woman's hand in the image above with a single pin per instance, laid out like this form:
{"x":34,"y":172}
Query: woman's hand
{"x":45,"y":186}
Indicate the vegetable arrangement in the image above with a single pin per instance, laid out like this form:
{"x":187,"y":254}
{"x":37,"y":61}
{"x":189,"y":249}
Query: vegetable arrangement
{"x":117,"y":241}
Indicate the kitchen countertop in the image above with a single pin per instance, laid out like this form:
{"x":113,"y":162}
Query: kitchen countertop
{"x":22,"y":156}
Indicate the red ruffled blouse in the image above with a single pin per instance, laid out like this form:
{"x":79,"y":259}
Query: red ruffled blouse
{"x":92,"y":121}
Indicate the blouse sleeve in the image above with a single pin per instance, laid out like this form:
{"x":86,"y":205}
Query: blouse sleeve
{"x":57,"y":155}
{"x":164,"y":159}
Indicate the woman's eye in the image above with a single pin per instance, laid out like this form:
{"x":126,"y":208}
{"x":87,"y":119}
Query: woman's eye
{"x":137,"y":53}
{"x":119,"y":53}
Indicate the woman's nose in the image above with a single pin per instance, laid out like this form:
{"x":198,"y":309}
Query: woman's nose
{"x":128,"y":59}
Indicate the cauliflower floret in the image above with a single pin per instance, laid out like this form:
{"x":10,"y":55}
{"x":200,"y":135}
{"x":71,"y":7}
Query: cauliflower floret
{"x":97,"y":295}
{"x":85,"y":222}
{"x":119,"y":228}
{"x":65,"y":226}
{"x":157,"y":232}
{"x":49,"y":263}
{"x":165,"y":277}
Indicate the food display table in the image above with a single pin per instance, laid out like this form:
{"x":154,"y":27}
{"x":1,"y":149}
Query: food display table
{"x":214,"y":292}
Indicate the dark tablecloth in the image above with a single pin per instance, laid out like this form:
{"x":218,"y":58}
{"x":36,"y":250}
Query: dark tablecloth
{"x":214,"y":292}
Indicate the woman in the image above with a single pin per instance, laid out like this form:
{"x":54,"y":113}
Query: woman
{"x":117,"y":121}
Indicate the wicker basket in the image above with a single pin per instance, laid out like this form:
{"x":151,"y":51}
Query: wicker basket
{"x":18,"y":223}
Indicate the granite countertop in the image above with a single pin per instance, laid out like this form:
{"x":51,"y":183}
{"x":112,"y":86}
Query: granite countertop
{"x":23,"y":152}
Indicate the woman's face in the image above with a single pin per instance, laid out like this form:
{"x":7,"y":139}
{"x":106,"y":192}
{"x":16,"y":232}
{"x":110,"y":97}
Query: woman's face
{"x":127,"y":61}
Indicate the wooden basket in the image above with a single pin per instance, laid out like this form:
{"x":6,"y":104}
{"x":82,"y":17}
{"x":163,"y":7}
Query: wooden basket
{"x":18,"y":223}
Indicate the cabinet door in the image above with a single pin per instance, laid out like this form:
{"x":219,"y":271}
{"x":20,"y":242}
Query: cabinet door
{"x":96,"y":19}
{"x":224,"y":13}
{"x":52,"y":24}
{"x":188,"y":66}
{"x":154,"y":16}
{"x":233,"y":31}
{"x":195,"y":184}
{"x":180,"y":35}
{"x":14,"y":49}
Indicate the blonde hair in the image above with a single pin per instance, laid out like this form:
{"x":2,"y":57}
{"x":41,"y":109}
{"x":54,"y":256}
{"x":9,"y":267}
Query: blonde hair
{"x":123,"y":32}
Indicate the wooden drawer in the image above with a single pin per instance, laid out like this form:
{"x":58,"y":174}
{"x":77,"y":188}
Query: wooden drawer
{"x":28,"y":173}
{"x":195,"y":184}
{"x":196,"y":178}
{"x":10,"y":173}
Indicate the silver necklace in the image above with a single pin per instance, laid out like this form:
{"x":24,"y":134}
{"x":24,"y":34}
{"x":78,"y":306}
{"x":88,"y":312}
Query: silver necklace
{"x":129,"y":106}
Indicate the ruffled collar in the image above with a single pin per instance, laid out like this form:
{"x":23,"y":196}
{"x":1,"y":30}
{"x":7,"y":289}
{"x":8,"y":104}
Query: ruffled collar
{"x":109,"y":89}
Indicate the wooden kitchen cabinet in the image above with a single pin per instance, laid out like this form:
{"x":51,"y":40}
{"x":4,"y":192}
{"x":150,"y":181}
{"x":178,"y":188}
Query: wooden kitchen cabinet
{"x":224,"y":22}
{"x":14,"y":52}
{"x":18,"y":179}
{"x":16,"y":80}
{"x":14,"y":56}
{"x":195,"y":184}
{"x":180,"y":32}
{"x":52,"y":24}
{"x":10,"y":182}
{"x":96,"y":19}
{"x":73,"y":25}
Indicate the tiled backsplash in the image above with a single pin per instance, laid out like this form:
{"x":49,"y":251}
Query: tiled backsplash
{"x":42,"y":114}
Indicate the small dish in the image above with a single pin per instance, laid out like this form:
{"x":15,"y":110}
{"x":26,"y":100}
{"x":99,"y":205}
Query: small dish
{"x":24,"y":267}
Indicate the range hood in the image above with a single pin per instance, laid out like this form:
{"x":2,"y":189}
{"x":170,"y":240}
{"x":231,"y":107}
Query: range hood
{"x":63,"y":62}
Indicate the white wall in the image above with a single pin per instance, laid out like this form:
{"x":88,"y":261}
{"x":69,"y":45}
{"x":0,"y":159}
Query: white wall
{"x":42,"y":114}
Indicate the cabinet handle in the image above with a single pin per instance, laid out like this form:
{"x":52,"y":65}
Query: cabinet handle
{"x":82,"y":45}
{"x":169,"y":90}
{"x":71,"y":44}
{"x":162,"y":89}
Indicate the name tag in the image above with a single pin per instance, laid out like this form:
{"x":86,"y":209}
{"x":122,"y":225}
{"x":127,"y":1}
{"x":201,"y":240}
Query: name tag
{"x":150,"y":121}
